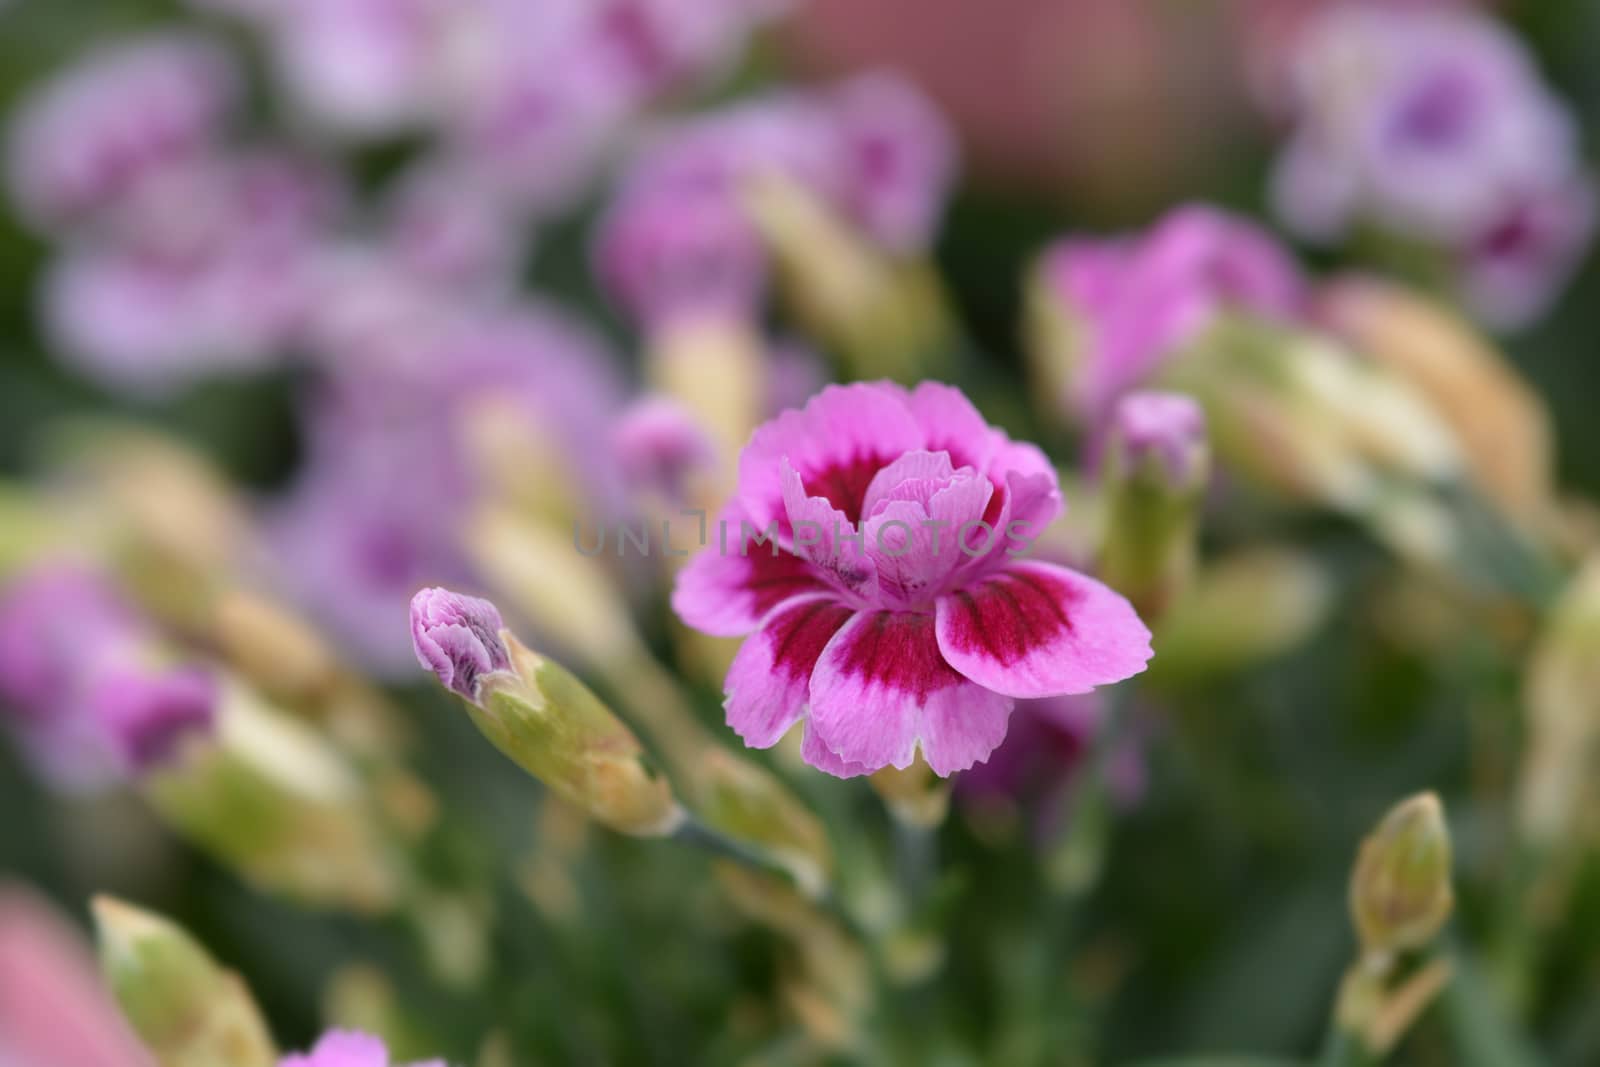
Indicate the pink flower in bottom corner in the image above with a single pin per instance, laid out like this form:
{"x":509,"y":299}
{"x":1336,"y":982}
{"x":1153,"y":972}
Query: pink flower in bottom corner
{"x":344,"y":1048}
{"x":874,"y":553}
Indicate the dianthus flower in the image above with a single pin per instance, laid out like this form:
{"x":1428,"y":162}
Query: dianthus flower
{"x":873,"y":551}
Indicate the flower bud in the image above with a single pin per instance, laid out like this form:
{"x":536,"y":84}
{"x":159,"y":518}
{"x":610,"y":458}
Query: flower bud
{"x":749,"y":803}
{"x":186,"y":1009}
{"x":273,"y":799}
{"x":716,"y":370}
{"x":1562,"y":700}
{"x":549,"y":724}
{"x":1400,"y":892}
{"x":458,"y":638}
{"x":274,"y":649}
{"x":887,"y":317}
{"x":1502,"y":425}
{"x":1157,"y":467}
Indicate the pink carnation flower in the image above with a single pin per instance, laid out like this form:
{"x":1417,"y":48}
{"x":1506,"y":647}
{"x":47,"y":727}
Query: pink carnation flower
{"x":873,"y":553}
{"x":344,"y":1048}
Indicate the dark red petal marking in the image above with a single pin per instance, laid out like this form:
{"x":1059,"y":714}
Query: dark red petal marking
{"x":899,"y":652}
{"x":1012,"y":614}
{"x":770,"y":580}
{"x":844,"y":485}
{"x":799,"y":634}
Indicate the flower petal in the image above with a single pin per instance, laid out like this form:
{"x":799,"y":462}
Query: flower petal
{"x":815,"y":751}
{"x":837,"y":442}
{"x":1036,"y":629}
{"x":732,"y":583}
{"x":915,"y":548}
{"x":825,"y":535}
{"x":769,"y":681}
{"x":951,"y":424}
{"x":881,"y":685}
{"x":914,"y":476}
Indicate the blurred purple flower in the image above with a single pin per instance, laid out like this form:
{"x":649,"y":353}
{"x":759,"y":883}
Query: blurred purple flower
{"x":901,"y":157}
{"x":1514,"y":266}
{"x":1433,"y":126}
{"x":90,"y":701}
{"x":208,"y":270}
{"x":1138,"y":299}
{"x":378,"y":508}
{"x":677,"y":238}
{"x":1166,"y":428}
{"x":441,"y":224}
{"x":1046,"y":749}
{"x":660,"y":448}
{"x":344,"y":1048}
{"x":665,"y":257}
{"x":93,"y":133}
{"x":368,"y":68}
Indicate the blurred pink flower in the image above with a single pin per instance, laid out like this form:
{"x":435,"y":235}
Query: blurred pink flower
{"x":870,"y":554}
{"x":343,"y":1048}
{"x":660,"y":448}
{"x":54,"y":1010}
{"x":677,"y":240}
{"x":1140,"y":298}
{"x":92,"y":134}
{"x":90,"y":702}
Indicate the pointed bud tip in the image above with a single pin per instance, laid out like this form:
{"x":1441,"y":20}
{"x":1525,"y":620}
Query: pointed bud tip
{"x":457,"y":637}
{"x":118,"y":921}
{"x":1400,"y":893}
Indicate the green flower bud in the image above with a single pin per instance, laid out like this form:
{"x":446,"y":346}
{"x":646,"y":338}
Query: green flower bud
{"x":887,"y":317}
{"x":186,"y":1009}
{"x":1157,"y":467}
{"x":270,"y":797}
{"x":1400,"y":892}
{"x":549,"y":724}
{"x":745,"y":801}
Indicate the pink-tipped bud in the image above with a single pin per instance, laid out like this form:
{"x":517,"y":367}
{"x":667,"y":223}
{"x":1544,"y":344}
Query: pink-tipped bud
{"x":1164,"y":433}
{"x":458,"y":638}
